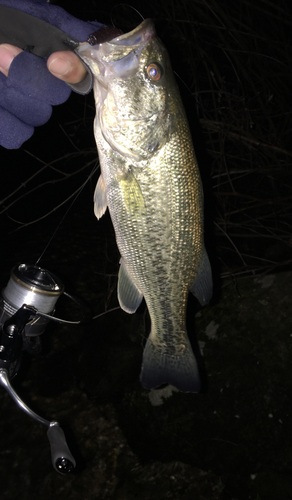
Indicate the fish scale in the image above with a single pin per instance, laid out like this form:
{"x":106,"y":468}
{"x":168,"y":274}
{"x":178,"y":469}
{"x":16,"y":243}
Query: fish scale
{"x":151,"y":184}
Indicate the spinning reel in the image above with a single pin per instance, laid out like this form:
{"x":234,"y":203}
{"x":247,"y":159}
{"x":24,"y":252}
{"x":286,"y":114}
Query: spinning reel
{"x":27,"y":305}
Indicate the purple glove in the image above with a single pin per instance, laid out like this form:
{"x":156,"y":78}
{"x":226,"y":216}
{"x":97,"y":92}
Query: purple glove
{"x":30,"y":90}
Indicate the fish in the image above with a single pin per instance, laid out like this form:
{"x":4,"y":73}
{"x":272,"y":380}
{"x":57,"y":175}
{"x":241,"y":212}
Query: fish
{"x":151,"y":184}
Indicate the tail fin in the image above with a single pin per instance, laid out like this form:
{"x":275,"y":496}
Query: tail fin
{"x":159,"y":367}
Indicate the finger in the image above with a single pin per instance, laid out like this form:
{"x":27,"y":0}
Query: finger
{"x":7,"y":54}
{"x":66,"y":66}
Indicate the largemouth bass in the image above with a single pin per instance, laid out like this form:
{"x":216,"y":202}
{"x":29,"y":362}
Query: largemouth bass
{"x":151,"y":184}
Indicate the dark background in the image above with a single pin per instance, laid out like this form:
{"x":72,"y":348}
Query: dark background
{"x":233,"y":62}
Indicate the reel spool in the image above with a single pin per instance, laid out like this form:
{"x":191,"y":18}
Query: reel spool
{"x":35,"y":287}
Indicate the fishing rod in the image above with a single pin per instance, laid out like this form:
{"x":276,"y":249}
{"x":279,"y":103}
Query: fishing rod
{"x":26,"y":307}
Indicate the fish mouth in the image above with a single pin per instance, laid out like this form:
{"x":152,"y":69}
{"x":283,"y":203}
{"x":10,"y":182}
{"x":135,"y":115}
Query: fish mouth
{"x":119,"y":56}
{"x":140,"y":34}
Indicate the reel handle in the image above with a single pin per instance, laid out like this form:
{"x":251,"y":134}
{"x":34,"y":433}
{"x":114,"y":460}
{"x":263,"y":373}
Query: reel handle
{"x":62,"y":459}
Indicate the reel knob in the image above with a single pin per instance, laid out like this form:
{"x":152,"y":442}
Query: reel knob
{"x":62,"y":459}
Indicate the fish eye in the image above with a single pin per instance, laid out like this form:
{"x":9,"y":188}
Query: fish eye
{"x":154,"y":71}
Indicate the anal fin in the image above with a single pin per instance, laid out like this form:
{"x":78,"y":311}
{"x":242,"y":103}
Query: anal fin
{"x":128,"y":294}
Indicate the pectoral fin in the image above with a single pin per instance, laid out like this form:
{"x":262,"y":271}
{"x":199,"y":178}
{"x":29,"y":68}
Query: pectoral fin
{"x":202,"y":287}
{"x":131,"y":192}
{"x":128,"y":294}
{"x":100,"y":203}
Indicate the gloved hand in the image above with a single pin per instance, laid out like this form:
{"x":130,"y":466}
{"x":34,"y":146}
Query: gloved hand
{"x":30,"y":90}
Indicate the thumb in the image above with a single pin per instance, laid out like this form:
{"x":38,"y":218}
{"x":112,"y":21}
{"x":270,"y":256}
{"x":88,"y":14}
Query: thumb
{"x":66,"y":66}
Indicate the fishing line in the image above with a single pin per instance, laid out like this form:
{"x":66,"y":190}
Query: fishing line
{"x":184,"y":83}
{"x":66,"y":213}
{"x":106,"y":312}
{"x":124,"y":5}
